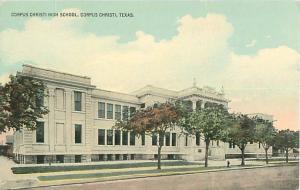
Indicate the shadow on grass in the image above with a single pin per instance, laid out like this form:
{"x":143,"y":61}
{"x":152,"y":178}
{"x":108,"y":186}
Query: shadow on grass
{"x":63,"y":168}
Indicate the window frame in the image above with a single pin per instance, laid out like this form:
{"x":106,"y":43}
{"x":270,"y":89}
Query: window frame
{"x":40,"y":125}
{"x":174,"y":142}
{"x":117,"y":134}
{"x":125,"y":140}
{"x":109,"y":137}
{"x":118,"y":112}
{"x":75,"y":136}
{"x":101,"y":137}
{"x":77,"y":102}
{"x":101,"y":110}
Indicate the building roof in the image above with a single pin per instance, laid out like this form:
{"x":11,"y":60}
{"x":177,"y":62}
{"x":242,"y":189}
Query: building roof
{"x":84,"y":81}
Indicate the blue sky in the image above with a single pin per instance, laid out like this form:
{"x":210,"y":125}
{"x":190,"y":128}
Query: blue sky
{"x":249,"y":47}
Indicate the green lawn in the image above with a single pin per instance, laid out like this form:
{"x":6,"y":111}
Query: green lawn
{"x":63,"y":168}
{"x":122,"y":173}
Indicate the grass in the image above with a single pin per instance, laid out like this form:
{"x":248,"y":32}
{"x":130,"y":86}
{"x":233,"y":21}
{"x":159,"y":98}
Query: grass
{"x":125,"y":173}
{"x":63,"y":168}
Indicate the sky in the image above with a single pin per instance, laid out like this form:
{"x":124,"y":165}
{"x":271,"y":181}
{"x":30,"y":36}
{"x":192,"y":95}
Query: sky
{"x":251,"y":48}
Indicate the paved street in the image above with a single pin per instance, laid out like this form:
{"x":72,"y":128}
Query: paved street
{"x":262,"y":179}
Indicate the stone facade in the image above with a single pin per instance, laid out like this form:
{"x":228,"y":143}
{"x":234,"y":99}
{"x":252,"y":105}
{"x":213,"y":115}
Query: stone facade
{"x":80,"y":113}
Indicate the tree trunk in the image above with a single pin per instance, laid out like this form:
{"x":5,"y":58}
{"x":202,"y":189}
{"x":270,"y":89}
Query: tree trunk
{"x":206,"y":152}
{"x":266,"y":151}
{"x":159,"y":157}
{"x":287,"y":155}
{"x":243,"y":156}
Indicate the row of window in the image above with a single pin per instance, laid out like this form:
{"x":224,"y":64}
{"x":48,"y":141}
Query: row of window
{"x":121,"y":112}
{"x":110,"y":134}
{"x":113,"y":137}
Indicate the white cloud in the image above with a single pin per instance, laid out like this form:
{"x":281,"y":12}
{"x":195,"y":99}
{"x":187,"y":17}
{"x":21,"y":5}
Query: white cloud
{"x":259,"y":83}
{"x":251,"y":44}
{"x":121,"y":66}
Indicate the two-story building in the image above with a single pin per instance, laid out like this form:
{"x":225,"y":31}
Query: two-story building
{"x":78,"y":127}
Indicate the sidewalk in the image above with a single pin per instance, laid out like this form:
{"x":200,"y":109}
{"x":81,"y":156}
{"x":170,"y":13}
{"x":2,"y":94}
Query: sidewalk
{"x":31,"y":180}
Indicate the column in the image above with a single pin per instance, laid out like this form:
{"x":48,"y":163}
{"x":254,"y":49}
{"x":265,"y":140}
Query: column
{"x":203,"y":104}
{"x":51,"y":119}
{"x":194,"y":104}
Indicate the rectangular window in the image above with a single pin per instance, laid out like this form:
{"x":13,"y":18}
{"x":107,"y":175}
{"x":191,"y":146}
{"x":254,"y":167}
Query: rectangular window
{"x":258,"y":144}
{"x":230,"y":144}
{"x":109,"y":157}
{"x":77,"y":158}
{"x":117,"y":112}
{"x":218,"y":142}
{"x":132,"y":111}
{"x":59,"y":158}
{"x":132,"y":138}
{"x":78,"y":131}
{"x":109,"y":137}
{"x":101,"y":136}
{"x":131,"y":156}
{"x":154,"y":139}
{"x":143,"y":138}
{"x":101,"y":157}
{"x":168,"y":139}
{"x":186,"y":140}
{"x":125,"y":112}
{"x":233,"y":145}
{"x":117,"y":137}
{"x":40,"y":159}
{"x":125,"y":156}
{"x":117,"y":157}
{"x":173,"y":139}
{"x":40,"y":132}
{"x":78,"y":100}
{"x":161,"y":140}
{"x":198,"y":139}
{"x":101,"y":110}
{"x":110,"y":111}
{"x":124,"y":138}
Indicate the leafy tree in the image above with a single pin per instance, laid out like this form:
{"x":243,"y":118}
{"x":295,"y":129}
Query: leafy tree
{"x":21,"y":102}
{"x":287,"y":140}
{"x":265,"y":134}
{"x":3,"y":102}
{"x":209,"y":122}
{"x":240,"y":131}
{"x":154,"y":120}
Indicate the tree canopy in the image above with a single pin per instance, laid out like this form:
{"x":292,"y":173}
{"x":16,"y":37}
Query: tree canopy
{"x":240,"y":131}
{"x":209,"y":122}
{"x":21,"y":102}
{"x":265,"y":134}
{"x":287,"y":140}
{"x":155,"y":120}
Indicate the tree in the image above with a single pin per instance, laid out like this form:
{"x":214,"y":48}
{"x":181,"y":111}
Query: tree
{"x":287,"y":140}
{"x":240,"y":131}
{"x":265,"y":134}
{"x":3,"y":101}
{"x":154,"y":120}
{"x":21,"y":102}
{"x":209,"y":122}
